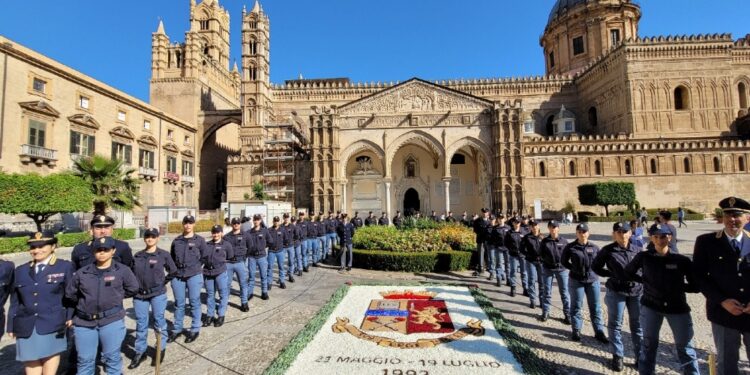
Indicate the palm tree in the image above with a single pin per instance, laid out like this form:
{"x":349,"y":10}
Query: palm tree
{"x":111,"y":181}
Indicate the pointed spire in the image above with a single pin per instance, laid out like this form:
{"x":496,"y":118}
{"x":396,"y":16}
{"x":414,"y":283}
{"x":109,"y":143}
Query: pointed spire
{"x":256,"y":7}
{"x":160,"y":29}
{"x":235,"y":69}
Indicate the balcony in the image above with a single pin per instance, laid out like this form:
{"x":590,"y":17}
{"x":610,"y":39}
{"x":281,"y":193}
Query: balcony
{"x":171,"y":177}
{"x":146,"y":173}
{"x":38,"y":155}
{"x":188,"y":180}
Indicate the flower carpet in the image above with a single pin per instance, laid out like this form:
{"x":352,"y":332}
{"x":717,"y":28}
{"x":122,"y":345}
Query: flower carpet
{"x":400,"y":330}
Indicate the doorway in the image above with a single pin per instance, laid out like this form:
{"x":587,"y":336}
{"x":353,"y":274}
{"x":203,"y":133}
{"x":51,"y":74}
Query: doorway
{"x":411,"y":202}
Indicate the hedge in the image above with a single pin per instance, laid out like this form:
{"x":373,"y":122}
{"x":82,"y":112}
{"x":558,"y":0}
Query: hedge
{"x":200,"y":226}
{"x":436,"y":261}
{"x":612,"y":219}
{"x":18,"y":244}
{"x":442,"y":238}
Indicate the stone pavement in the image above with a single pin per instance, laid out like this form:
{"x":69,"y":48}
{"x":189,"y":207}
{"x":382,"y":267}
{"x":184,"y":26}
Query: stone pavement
{"x":248,"y":342}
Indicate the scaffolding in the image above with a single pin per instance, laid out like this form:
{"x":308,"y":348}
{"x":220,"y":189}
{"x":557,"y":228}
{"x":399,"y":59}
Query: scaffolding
{"x":284,"y":145}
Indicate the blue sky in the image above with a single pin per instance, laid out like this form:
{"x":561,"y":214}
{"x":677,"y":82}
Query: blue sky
{"x":385,"y":40}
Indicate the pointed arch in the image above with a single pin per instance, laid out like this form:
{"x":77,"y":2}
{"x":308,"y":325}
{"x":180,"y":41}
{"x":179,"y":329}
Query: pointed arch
{"x":419,"y":138}
{"x":357,"y":147}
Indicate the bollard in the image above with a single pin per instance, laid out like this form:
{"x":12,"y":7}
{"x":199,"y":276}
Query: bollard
{"x":158,"y":352}
{"x":711,"y":364}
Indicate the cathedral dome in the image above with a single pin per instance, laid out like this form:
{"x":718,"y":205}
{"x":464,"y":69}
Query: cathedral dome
{"x":562,"y":6}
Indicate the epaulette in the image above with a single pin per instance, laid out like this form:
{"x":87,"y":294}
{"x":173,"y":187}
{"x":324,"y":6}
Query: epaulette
{"x":719,"y":233}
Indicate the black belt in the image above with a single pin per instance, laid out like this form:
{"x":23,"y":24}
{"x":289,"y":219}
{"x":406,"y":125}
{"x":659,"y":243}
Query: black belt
{"x":275,"y":251}
{"x":151,"y":290}
{"x":99,"y":315}
{"x":236,"y":260}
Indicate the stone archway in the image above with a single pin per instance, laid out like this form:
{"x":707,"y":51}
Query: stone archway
{"x":411,"y":202}
{"x":220,"y":141}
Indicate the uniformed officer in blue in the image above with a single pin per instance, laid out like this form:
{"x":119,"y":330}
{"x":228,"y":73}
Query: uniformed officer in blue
{"x":331,"y":224}
{"x":237,"y":265}
{"x":530,"y":249}
{"x":98,"y":290}
{"x":215,"y":277}
{"x":722,"y":268}
{"x":39,"y":313}
{"x":288,"y":246}
{"x":186,"y":251}
{"x":276,"y":238}
{"x":321,"y":229}
{"x":496,"y":245}
{"x":153,"y":268}
{"x":578,"y":256}
{"x":298,"y":239}
{"x":345,"y":232}
{"x":257,"y":243}
{"x":512,"y":241}
{"x":551,"y":254}
{"x":7,"y":268}
{"x":666,"y":277}
{"x":101,"y":226}
{"x":622,"y":293}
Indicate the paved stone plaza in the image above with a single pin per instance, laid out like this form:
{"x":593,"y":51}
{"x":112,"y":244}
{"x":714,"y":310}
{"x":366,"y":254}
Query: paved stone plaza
{"x":248,"y":342}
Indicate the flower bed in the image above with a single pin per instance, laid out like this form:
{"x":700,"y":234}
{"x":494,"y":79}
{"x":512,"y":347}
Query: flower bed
{"x":442,"y":238}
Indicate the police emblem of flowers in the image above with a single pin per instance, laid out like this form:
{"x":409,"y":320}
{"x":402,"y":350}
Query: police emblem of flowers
{"x":392,"y":330}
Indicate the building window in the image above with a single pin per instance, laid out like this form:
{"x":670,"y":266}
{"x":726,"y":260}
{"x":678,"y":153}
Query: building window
{"x":171,"y":164}
{"x":551,"y":59}
{"x":628,"y":167}
{"x":122,"y":152}
{"x":654,"y":169}
{"x":550,"y":127}
{"x":717,"y":165}
{"x":121,"y":116}
{"x":741,"y":162}
{"x":578,"y":45}
{"x":146,"y":125}
{"x":593,"y":117}
{"x":572,"y":168}
{"x":170,"y":134}
{"x":187,"y":140}
{"x":542,"y":169}
{"x":83,"y":102}
{"x":187,"y":168}
{"x":528,"y":127}
{"x":681,"y":98}
{"x":686,"y":165}
{"x":614,"y":36}
{"x":410,"y":168}
{"x":458,"y":159}
{"x":39,"y":85}
{"x":81,"y":144}
{"x":146,"y":159}
{"x":37,"y":131}
{"x":204,"y":25}
{"x":597,"y":168}
{"x":743,"y":95}
{"x":569,"y":126}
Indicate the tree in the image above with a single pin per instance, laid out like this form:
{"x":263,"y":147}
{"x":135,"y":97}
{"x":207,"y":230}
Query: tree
{"x":258,"y":192}
{"x":40,"y":197}
{"x":607,"y":194}
{"x":111,"y":182}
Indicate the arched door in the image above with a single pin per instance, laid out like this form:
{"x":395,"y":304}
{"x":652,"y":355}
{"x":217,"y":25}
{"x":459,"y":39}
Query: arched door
{"x":411,"y":202}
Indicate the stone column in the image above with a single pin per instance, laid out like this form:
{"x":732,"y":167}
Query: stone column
{"x":447,"y":188}
{"x":343,"y":197}
{"x":388,"y":199}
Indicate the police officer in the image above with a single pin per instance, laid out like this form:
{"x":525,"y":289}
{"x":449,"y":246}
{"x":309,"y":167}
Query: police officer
{"x":512,"y":241}
{"x":101,"y":226}
{"x":434,"y":217}
{"x":480,"y":230}
{"x":288,"y":246}
{"x":578,"y":256}
{"x":449,"y":217}
{"x":666,"y":277}
{"x":38,"y":314}
{"x":98,"y":290}
{"x":726,"y":283}
{"x":551,"y":255}
{"x":187,"y":250}
{"x":237,"y":265}
{"x":6,"y":285}
{"x":303,"y":226}
{"x":312,"y":232}
{"x":398,"y":220}
{"x":257,"y":260}
{"x":621,"y":292}
{"x":531,"y":246}
{"x":496,"y":245}
{"x":153,"y":268}
{"x":276,"y":239}
{"x":346,"y":234}
{"x":371,"y":219}
{"x":331,"y":224}
{"x":357,"y":221}
{"x":383,"y":219}
{"x":465,"y":220}
{"x":665,"y":217}
{"x":322,"y":238}
{"x":215,"y":276}
{"x":298,"y":243}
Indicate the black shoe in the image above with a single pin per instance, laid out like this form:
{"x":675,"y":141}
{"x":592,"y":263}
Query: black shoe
{"x":173,"y":336}
{"x":576,"y":336}
{"x":190,"y":337}
{"x":250,"y":297}
{"x":341,"y":270}
{"x":264,"y":296}
{"x":497,"y":282}
{"x":566,"y":320}
{"x":315,"y":264}
{"x":636,"y":361}
{"x":532,"y":305}
{"x":348,"y":268}
{"x":218,"y":322}
{"x":291,"y":279}
{"x":137,"y":359}
{"x":601,"y":337}
{"x":617,"y":363}
{"x":525,"y":292}
{"x":207,"y":321}
{"x":512,"y":292}
{"x":281,"y":285}
{"x":507,"y":282}
{"x":543,"y":317}
{"x":161,"y":358}
{"x":306,"y":269}
{"x":299,"y":273}
{"x":492,"y":276}
{"x":244,"y":307}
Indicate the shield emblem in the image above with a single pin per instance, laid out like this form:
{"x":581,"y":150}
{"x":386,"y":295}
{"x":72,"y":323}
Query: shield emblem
{"x":419,"y":315}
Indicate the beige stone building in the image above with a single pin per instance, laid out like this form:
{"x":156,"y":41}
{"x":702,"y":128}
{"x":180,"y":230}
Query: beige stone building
{"x":660,"y":112}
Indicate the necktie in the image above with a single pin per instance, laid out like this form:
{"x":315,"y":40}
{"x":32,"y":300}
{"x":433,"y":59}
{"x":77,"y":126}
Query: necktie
{"x":39,"y":268}
{"x":736,"y":246}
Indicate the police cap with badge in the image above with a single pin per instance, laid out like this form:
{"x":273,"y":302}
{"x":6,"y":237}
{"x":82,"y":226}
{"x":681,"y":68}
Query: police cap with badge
{"x":40,"y":239}
{"x":106,"y":243}
{"x":102,"y":221}
{"x":734,"y":205}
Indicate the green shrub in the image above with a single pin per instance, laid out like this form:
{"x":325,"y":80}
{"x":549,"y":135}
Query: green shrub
{"x":200,"y":226}
{"x":71,"y":239}
{"x":383,"y":260}
{"x":442,"y":238}
{"x":18,"y":244}
{"x":421,"y":223}
{"x":13,"y":245}
{"x":124,"y":234}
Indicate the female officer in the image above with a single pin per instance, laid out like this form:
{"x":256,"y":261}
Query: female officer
{"x":38,"y":314}
{"x":6,"y":287}
{"x":99,"y":290}
{"x":214,"y":260}
{"x":186,"y":252}
{"x":149,"y":268}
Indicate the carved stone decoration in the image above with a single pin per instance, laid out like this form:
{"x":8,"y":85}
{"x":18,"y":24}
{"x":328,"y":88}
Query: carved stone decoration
{"x":364,"y":165}
{"x":41,"y":107}
{"x":148,"y":141}
{"x":85,"y":121}
{"x":122,"y":133}
{"x":188,"y":153}
{"x":171,"y":147}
